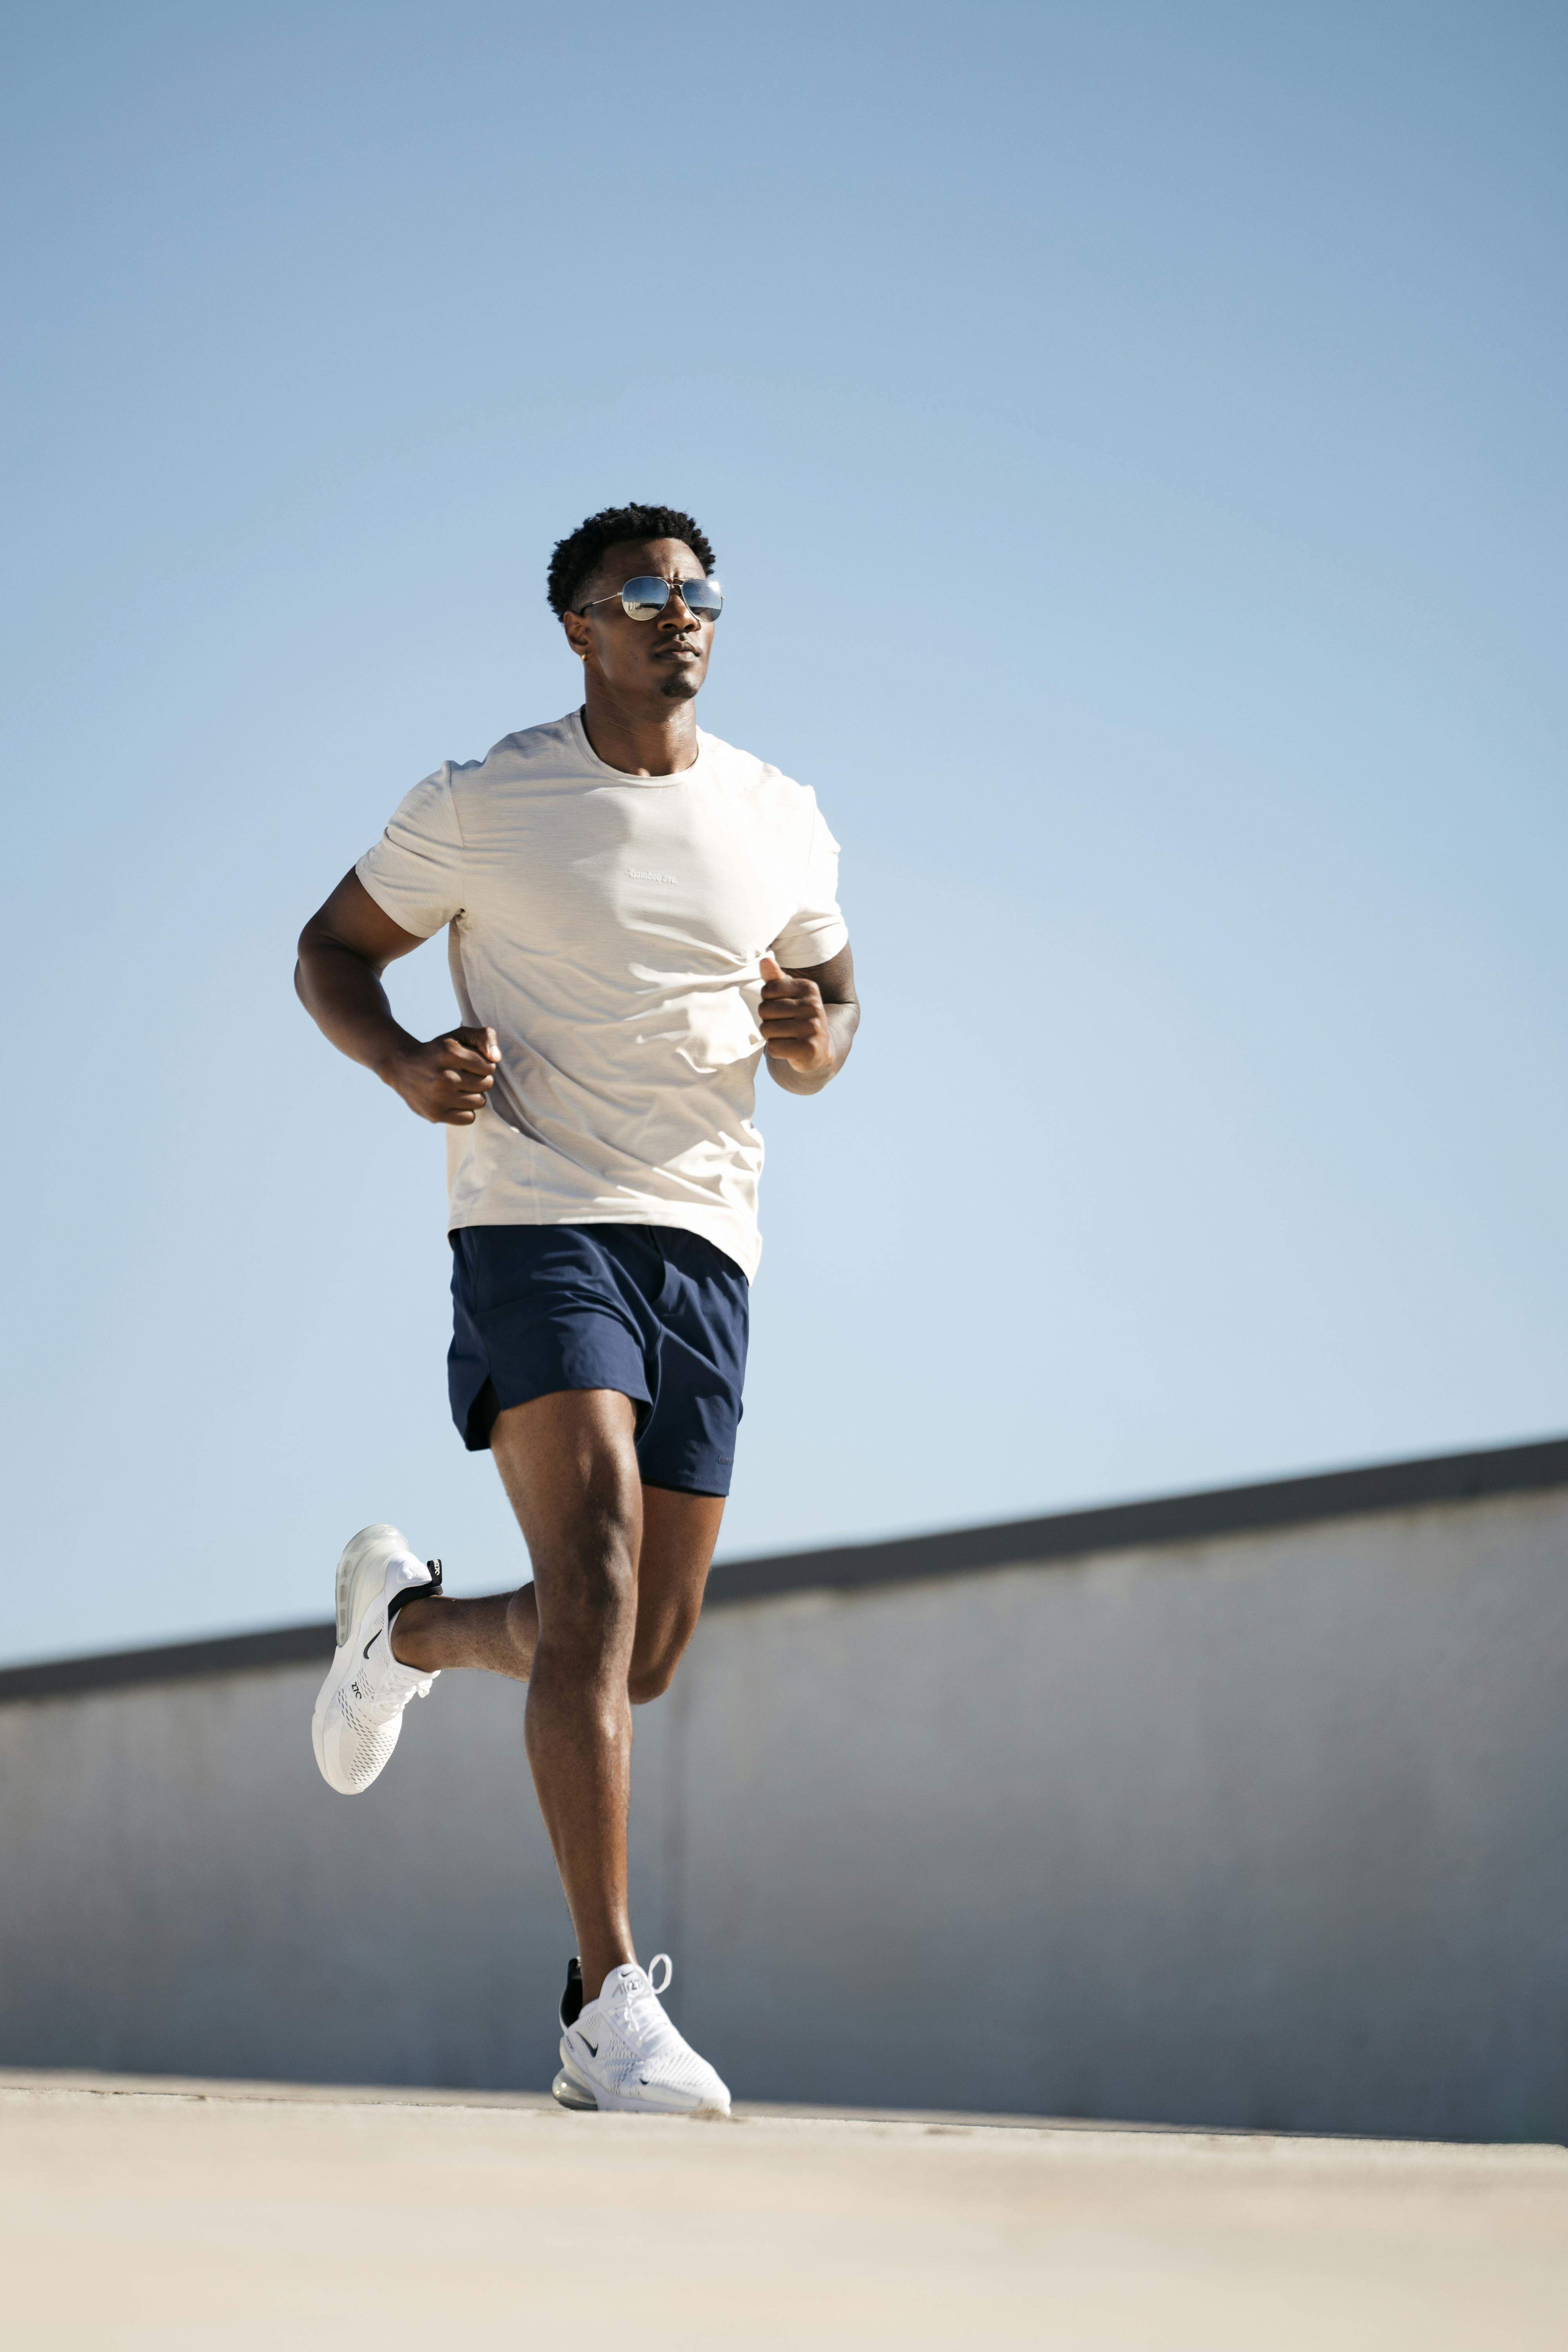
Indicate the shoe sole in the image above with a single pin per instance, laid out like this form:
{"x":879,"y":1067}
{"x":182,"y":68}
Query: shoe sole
{"x":572,"y":2090}
{"x":356,"y":1578}
{"x":359,"y":1582}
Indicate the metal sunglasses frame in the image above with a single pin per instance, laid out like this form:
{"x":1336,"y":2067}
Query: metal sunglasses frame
{"x":619,"y":596}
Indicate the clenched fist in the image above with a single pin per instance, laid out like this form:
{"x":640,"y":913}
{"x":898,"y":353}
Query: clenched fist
{"x":446,"y":1081}
{"x":794,"y":1023}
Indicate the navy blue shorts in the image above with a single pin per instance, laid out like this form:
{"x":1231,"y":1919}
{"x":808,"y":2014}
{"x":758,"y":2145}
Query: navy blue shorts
{"x":657,"y":1312}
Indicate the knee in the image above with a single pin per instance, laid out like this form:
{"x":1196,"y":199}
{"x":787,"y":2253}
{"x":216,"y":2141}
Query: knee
{"x":651,"y":1679}
{"x":592,"y":1601}
{"x":654,"y":1660}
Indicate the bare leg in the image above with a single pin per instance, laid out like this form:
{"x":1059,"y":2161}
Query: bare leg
{"x":618,"y":1577}
{"x":570,"y":1468}
{"x":498,"y":1633}
{"x":678,"y":1533}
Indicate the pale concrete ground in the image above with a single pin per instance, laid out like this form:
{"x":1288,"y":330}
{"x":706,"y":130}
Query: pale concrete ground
{"x":137,"y":2213}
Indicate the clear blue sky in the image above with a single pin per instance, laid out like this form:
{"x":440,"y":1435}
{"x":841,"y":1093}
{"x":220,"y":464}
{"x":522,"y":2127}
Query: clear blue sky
{"x":1132,"y":437}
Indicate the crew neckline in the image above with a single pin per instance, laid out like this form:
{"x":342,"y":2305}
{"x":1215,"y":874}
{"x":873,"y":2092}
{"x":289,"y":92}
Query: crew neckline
{"x":621,"y":775}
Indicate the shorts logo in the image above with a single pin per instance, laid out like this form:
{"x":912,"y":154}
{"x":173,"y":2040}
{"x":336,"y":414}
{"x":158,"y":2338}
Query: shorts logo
{"x":645,"y":874}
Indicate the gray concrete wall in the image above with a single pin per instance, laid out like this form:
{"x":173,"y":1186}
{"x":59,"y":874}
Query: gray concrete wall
{"x":1266,"y":1830}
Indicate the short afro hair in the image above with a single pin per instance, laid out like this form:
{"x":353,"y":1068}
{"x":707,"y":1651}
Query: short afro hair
{"x":577,"y":557}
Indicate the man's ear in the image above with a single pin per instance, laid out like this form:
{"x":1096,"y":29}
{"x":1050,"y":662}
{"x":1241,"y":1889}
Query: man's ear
{"x":578,"y":635}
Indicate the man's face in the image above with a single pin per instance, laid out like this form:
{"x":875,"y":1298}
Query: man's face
{"x":664,"y":659}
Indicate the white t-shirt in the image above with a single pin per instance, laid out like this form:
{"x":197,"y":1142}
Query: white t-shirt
{"x":609,"y":929}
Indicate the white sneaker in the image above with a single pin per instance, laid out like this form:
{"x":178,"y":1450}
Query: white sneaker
{"x":621,"y":2054}
{"x":359,"y":1711}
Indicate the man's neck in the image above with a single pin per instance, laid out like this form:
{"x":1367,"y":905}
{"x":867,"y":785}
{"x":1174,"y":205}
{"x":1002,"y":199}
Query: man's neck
{"x":638,"y":741}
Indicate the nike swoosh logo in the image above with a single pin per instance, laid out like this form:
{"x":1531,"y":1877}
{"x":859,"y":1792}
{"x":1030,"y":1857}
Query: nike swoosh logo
{"x":371,"y":1643}
{"x":591,"y":2047}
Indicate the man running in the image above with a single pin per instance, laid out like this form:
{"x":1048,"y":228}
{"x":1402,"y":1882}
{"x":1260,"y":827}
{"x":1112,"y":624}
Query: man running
{"x":635,"y":913}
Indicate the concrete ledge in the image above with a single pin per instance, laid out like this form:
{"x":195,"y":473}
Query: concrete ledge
{"x":1169,"y":1519}
{"x":1165,"y":1519}
{"x":172,"y":1662}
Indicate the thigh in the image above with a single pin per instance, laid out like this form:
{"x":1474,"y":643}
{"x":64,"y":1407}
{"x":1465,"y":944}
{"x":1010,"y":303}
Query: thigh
{"x":570,"y":1468}
{"x":568,"y":1461}
{"x":678,"y":1533}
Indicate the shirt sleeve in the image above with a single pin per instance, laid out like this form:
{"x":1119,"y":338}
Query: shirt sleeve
{"x":816,"y":931}
{"x":415,"y":873}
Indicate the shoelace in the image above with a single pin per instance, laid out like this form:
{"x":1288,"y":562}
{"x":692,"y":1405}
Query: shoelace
{"x":642,"y":1990}
{"x":379,"y":1679}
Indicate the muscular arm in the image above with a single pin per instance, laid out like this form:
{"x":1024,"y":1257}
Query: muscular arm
{"x":808,"y":1019}
{"x":344,"y":949}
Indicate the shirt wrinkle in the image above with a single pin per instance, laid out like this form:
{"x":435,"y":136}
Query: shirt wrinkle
{"x":612,"y":937}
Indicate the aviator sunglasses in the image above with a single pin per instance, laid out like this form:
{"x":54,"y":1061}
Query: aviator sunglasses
{"x":645,"y":598}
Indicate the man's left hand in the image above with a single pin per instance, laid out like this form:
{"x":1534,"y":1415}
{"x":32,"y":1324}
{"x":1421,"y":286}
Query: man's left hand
{"x":794,"y":1022}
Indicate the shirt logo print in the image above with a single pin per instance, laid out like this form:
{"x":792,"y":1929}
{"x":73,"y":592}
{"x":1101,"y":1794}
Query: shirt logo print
{"x":646,"y":874}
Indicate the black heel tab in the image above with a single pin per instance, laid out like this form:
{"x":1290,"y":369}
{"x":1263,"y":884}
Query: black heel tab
{"x":431,"y":1592}
{"x":571,"y":1999}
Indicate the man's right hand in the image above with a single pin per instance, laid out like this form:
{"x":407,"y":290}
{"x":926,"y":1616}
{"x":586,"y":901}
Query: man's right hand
{"x":344,"y":949}
{"x":447,"y":1080}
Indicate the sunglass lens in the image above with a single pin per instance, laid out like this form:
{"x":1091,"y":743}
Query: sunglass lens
{"x":704,"y":598}
{"x":645,"y":600}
